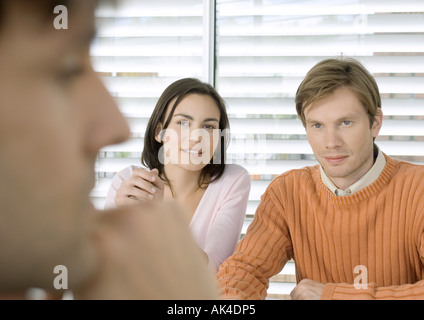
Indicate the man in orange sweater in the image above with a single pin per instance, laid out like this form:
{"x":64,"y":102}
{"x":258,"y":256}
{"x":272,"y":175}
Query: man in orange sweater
{"x":354,"y":224}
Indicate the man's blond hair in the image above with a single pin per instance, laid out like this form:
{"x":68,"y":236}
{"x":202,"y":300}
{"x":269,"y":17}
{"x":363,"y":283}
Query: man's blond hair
{"x":330,"y":74}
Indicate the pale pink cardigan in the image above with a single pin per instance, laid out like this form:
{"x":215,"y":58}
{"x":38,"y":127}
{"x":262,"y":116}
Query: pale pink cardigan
{"x":219,"y":217}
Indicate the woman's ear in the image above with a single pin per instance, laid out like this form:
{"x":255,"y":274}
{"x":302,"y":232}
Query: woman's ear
{"x":158,"y":133}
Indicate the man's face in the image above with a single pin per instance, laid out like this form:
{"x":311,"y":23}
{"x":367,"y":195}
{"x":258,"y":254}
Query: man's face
{"x":55,"y":115}
{"x":338,"y":130}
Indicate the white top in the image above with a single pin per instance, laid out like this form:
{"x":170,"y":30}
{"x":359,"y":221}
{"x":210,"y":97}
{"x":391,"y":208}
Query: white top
{"x":218,"y":219}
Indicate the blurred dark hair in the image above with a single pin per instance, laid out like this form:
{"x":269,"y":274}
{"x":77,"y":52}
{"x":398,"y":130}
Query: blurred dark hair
{"x":178,"y":90}
{"x":44,"y":8}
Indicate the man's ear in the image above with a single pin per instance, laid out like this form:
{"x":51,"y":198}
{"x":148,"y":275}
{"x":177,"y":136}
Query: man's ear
{"x":159,"y":133}
{"x":378,"y":122}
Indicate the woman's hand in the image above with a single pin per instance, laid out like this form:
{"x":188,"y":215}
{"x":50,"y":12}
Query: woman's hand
{"x":143,"y":185}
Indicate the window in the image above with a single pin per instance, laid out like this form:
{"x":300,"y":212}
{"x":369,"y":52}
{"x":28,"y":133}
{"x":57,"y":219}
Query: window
{"x":263,"y":50}
{"x":140,"y":49}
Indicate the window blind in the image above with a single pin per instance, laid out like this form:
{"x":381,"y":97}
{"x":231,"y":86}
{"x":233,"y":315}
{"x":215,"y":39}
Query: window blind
{"x":141,"y":47}
{"x":263,"y":50}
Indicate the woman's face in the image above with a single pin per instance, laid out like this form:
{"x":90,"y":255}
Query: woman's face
{"x":193,"y":132}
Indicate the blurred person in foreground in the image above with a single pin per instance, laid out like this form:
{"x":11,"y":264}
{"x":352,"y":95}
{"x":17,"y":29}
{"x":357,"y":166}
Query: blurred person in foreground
{"x":55,"y":115}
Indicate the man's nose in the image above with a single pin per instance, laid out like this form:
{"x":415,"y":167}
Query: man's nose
{"x":332,"y":138}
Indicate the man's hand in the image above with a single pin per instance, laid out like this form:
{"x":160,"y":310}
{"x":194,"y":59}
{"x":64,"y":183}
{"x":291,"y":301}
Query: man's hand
{"x":147,"y":252}
{"x":307,"y":290}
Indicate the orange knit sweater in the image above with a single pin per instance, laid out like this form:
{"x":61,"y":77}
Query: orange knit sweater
{"x":380,"y":227}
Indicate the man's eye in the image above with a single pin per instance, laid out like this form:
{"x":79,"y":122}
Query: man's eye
{"x":347,"y":122}
{"x":316,"y":125}
{"x":68,"y":75}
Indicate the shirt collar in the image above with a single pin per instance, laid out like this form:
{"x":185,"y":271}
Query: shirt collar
{"x":365,"y":181}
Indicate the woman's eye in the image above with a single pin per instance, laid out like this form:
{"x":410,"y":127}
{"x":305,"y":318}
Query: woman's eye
{"x":183,"y":123}
{"x":209,"y":127}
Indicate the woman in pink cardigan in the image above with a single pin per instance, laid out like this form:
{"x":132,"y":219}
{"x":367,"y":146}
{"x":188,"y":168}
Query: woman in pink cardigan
{"x":184,"y":161}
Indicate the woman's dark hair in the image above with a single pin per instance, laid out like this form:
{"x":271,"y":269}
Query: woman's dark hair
{"x":178,"y":90}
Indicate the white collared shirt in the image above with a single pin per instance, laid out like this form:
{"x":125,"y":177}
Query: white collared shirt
{"x":365,"y":181}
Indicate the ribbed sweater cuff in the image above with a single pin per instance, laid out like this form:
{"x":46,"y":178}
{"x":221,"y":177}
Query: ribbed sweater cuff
{"x":327,"y":293}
